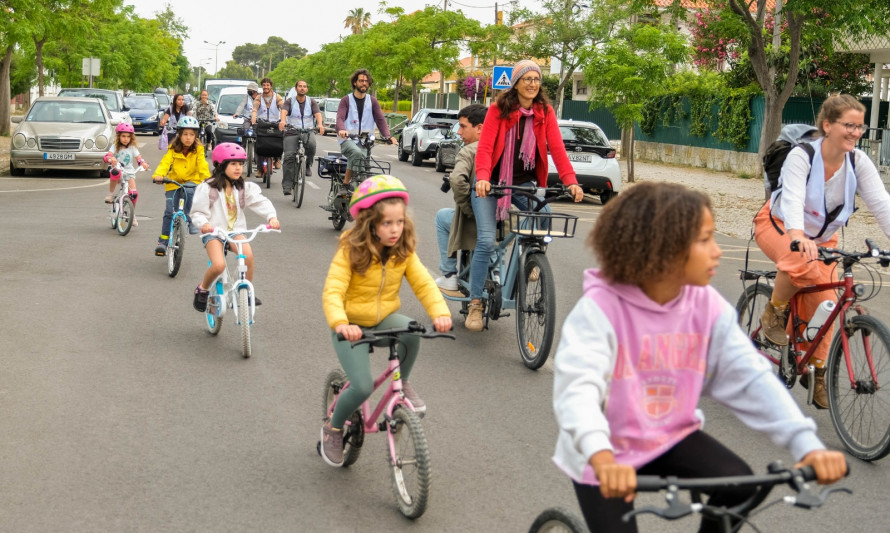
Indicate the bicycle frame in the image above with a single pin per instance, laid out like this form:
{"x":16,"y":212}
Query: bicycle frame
{"x":228,"y":285}
{"x":179,"y":199}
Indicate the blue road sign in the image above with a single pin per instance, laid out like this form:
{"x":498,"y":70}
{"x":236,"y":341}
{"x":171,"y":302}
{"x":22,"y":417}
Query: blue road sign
{"x":502,"y":77}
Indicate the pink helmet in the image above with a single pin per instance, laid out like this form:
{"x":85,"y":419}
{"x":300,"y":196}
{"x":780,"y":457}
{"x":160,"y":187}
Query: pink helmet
{"x":374,"y":189}
{"x":228,"y":152}
{"x":123,"y":127}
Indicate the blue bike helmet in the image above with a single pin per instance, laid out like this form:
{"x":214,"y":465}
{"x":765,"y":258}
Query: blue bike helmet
{"x":188,"y":123}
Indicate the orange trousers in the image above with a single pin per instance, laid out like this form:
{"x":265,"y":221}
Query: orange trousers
{"x":777,"y":246}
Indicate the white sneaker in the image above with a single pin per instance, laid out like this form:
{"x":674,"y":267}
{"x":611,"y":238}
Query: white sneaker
{"x":447,"y":283}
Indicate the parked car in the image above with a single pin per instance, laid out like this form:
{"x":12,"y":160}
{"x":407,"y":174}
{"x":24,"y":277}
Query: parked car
{"x":62,"y":133}
{"x":189,"y":100}
{"x":592,"y":157}
{"x":446,"y":152}
{"x":229,"y":129}
{"x":114,"y":101}
{"x":422,"y":134}
{"x":329,"y":113}
{"x":214,"y":86}
{"x":163,"y":99}
{"x":146,"y":112}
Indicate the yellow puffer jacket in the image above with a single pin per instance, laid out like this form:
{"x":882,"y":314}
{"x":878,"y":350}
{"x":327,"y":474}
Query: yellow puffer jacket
{"x":183,"y":168}
{"x":365,"y":300}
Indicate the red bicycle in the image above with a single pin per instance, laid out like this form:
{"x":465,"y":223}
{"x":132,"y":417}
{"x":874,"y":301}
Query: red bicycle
{"x":859,"y":356}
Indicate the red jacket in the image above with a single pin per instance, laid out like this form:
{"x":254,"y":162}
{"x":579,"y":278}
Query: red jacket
{"x":491,"y":144}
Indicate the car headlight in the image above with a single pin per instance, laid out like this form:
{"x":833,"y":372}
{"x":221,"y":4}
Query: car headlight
{"x":19,"y":140}
{"x":88,"y":143}
{"x":223,"y":125}
{"x":32,"y":142}
{"x":101,"y":142}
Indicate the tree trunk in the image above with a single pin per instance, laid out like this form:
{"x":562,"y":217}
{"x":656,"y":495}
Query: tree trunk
{"x":38,"y":58}
{"x":415,"y":98}
{"x":5,"y":97}
{"x":627,"y":150}
{"x":395,"y":94}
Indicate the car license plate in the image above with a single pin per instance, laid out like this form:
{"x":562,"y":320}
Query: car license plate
{"x":58,"y":156}
{"x":137,"y":123}
{"x":580,"y":158}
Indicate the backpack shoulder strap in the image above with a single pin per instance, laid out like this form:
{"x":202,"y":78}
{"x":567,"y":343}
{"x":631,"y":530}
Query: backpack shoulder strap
{"x":811,"y":153}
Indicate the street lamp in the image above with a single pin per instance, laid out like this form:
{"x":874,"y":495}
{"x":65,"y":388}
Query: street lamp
{"x":200,"y":71}
{"x":216,"y":61}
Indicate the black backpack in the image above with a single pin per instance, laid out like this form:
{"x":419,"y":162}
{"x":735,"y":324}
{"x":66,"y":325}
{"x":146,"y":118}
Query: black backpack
{"x":792,"y":135}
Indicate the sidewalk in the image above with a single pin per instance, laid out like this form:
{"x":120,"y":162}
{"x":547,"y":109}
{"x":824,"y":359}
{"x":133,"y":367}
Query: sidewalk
{"x":4,"y":155}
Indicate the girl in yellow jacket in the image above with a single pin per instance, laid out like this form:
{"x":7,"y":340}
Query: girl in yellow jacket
{"x":362,"y":289}
{"x":183,"y":162}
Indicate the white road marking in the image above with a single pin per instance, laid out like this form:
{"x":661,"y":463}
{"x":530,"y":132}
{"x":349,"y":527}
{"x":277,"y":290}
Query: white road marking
{"x":104,"y":182}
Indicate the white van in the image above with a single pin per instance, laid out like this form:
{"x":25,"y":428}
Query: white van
{"x":213,"y":87}
{"x":329,"y":113}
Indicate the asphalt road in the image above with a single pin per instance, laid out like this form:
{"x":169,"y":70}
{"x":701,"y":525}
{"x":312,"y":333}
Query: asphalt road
{"x":120,"y":413}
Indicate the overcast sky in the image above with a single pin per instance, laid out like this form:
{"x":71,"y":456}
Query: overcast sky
{"x":309,"y":24}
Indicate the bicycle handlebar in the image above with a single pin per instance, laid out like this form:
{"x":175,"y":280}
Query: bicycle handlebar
{"x":185,"y":184}
{"x":560,"y":191}
{"x":831,"y":255}
{"x":230,"y":235}
{"x":370,"y":335}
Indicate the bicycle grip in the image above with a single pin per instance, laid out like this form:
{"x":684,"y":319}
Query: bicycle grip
{"x":872,"y":247}
{"x":651,"y":483}
{"x":809,"y":473}
{"x":795,"y":245}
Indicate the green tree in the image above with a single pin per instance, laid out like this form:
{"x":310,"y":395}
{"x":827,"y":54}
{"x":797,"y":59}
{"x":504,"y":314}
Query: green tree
{"x":630,"y":69}
{"x":357,"y":20}
{"x":235,"y":71}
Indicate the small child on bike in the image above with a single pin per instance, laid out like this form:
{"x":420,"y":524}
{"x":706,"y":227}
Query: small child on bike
{"x":184,"y":162}
{"x":219,"y":202}
{"x":126,"y":154}
{"x":647,"y":339}
{"x":362,"y":289}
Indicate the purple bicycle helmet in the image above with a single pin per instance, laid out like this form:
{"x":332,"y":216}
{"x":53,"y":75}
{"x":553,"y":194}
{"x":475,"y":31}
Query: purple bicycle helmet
{"x":374,"y":189}
{"x":228,"y":152}
{"x":123,"y":127}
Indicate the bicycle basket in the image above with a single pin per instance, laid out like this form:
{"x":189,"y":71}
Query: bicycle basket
{"x":269,"y":141}
{"x":542,"y":224}
{"x":330,"y":163}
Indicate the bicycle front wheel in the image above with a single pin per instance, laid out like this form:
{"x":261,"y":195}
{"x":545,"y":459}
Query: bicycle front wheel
{"x":411,"y":469}
{"x":859,"y":404}
{"x":176,"y":246}
{"x":113,"y":214}
{"x":215,"y":302}
{"x":250,"y":158}
{"x":244,"y":319}
{"x":750,"y":306}
{"x":536,"y":311}
{"x":355,"y":430}
{"x":557,"y":520}
{"x":300,"y":184}
{"x":127,"y":215}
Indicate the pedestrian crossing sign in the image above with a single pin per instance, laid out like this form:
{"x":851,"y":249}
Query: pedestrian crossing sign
{"x":502,"y":77}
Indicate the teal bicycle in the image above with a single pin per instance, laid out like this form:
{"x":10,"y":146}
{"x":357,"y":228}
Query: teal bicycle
{"x":178,"y":225}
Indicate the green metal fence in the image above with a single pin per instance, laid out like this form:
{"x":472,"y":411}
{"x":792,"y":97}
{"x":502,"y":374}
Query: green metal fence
{"x":580,"y":110}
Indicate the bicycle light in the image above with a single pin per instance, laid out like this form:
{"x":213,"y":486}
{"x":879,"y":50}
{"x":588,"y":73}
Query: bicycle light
{"x":859,"y":289}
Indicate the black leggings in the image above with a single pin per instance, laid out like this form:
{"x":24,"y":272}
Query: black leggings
{"x":698,"y":455}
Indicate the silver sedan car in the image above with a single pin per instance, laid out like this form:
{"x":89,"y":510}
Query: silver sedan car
{"x":62,"y":133}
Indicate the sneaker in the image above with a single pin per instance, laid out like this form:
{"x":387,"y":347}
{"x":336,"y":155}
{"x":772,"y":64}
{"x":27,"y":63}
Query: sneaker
{"x":820,"y":396}
{"x":200,"y":302}
{"x":308,"y":171}
{"x":109,"y":199}
{"x":277,"y":163}
{"x":258,"y":301}
{"x":772,"y":323}
{"x":288,"y":192}
{"x":331,"y":445}
{"x":135,"y":222}
{"x":411,"y":395}
{"x":474,"y":317}
{"x":161,"y":248}
{"x":194,"y":230}
{"x":448,"y":282}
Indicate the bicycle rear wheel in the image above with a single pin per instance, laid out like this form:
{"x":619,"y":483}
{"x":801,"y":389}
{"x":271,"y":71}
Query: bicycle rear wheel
{"x":536,"y":311}
{"x":244,"y":320}
{"x":749,"y":308}
{"x":250,"y":158}
{"x":556,"y":520}
{"x":300,"y":184}
{"x":127,"y":215}
{"x":861,"y":414}
{"x":176,"y":246}
{"x":214,"y":322}
{"x":411,"y":470}
{"x":355,"y":430}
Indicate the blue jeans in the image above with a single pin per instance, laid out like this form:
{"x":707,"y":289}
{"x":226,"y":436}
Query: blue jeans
{"x":444,"y":217}
{"x":486,"y":228}
{"x":172,"y":204}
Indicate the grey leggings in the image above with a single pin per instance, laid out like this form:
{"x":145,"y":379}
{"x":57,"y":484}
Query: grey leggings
{"x":356,"y":362}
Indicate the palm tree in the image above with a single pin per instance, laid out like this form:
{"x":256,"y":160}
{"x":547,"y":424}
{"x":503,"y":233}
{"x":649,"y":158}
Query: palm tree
{"x":357,"y":20}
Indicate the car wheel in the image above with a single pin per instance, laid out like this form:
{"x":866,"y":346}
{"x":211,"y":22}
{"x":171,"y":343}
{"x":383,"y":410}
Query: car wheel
{"x":15,"y":171}
{"x":403,"y":155}
{"x":416,"y":156}
{"x":440,"y":165}
{"x":606,"y":196}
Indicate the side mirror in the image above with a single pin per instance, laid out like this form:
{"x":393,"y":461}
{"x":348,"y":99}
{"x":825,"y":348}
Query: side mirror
{"x":18,"y":118}
{"x":125,"y":108}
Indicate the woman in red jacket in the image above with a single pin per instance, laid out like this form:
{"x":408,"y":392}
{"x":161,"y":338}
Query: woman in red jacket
{"x":523,"y":116}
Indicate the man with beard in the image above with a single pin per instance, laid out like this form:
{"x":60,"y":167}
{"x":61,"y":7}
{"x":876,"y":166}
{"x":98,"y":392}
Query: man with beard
{"x":358,"y":112}
{"x":300,"y":112}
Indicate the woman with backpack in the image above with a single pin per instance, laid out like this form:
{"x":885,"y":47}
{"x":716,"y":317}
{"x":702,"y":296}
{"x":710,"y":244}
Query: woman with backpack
{"x":814,"y":198}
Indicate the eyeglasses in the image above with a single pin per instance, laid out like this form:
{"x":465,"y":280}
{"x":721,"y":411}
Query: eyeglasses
{"x":853,"y":128}
{"x":362,"y":80}
{"x":529,"y":80}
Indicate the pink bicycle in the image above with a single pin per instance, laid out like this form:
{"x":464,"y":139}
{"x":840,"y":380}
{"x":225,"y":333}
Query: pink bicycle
{"x":407,"y":451}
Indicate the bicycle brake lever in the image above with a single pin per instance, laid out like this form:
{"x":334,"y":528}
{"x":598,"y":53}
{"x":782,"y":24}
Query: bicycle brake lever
{"x":807,"y":499}
{"x":673,"y":511}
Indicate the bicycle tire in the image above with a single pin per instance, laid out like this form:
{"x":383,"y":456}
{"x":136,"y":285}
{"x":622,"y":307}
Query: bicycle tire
{"x":749,"y":308}
{"x":861,"y":416}
{"x":355,"y":432}
{"x":214,"y":323}
{"x":250,"y":158}
{"x":126,"y":217}
{"x":113,"y":214}
{"x":338,"y":219}
{"x":536,"y":312}
{"x":411,"y":470}
{"x":300,"y":185}
{"x":557,"y":519}
{"x":176,"y":247}
{"x":244,"y":320}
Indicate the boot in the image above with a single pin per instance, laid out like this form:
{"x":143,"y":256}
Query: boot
{"x":820,"y":395}
{"x":772,"y":323}
{"x":474,"y":316}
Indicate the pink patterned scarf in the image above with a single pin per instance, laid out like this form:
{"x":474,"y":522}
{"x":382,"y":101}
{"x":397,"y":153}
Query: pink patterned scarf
{"x":526,"y":153}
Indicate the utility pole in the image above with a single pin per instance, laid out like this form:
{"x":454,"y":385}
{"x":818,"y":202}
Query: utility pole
{"x":442,"y":74}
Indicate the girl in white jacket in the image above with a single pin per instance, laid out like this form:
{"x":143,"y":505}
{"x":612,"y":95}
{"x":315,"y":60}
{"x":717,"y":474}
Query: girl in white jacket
{"x":219,"y":202}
